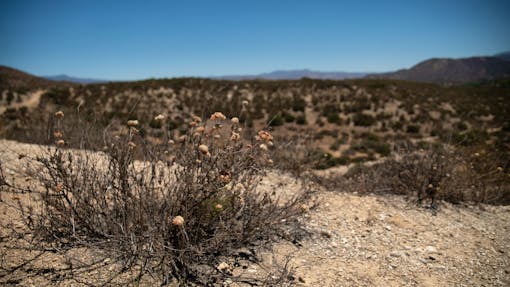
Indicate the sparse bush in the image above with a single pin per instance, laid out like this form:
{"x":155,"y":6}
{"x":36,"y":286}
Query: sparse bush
{"x":440,"y":173}
{"x":170,"y":216}
{"x":301,"y":120}
{"x":413,"y":129}
{"x":363,"y":120}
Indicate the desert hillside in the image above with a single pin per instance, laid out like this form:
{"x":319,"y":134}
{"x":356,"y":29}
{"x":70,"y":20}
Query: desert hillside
{"x":353,"y":240}
{"x":199,"y":182}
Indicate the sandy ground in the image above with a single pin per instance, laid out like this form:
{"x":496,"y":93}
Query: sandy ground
{"x":30,"y":101}
{"x":367,"y":240}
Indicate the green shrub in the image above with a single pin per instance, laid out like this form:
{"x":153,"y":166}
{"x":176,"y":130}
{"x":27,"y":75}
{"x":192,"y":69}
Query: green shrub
{"x":363,"y":120}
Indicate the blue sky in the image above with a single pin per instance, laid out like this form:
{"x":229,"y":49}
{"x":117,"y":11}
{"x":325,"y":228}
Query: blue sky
{"x":123,"y":40}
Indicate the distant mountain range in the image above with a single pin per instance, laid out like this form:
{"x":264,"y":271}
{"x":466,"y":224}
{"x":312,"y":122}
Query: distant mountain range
{"x":66,"y":78}
{"x":453,"y":71}
{"x":437,"y":70}
{"x":295,"y":74}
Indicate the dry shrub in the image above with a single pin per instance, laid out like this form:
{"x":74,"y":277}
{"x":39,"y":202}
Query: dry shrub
{"x":439,"y":173}
{"x":172,"y":216}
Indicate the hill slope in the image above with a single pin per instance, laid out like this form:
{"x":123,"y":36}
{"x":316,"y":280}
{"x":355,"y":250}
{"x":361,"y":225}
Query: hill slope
{"x":452,"y":71}
{"x":13,"y":78}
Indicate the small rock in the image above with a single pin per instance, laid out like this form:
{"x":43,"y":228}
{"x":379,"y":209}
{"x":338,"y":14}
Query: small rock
{"x":397,"y":253}
{"x":430,"y":249}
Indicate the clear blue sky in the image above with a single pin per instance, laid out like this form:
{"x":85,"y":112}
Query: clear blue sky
{"x":141,"y":39}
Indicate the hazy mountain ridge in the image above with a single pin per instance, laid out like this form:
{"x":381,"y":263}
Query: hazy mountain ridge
{"x":295,"y":74}
{"x":452,"y":71}
{"x":435,"y":70}
{"x":66,"y":78}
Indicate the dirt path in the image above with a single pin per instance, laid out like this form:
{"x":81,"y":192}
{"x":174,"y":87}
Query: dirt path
{"x":381,"y":241}
{"x":30,"y":101}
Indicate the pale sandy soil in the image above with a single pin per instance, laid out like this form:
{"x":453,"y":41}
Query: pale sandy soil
{"x":360,"y":240}
{"x":30,"y":101}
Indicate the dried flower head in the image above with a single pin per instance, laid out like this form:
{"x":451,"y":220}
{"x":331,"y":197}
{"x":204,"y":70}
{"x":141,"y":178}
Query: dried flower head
{"x":58,"y":134}
{"x":171,"y":142}
{"x":263,"y":147}
{"x":218,"y":207}
{"x":265,"y":136}
{"x":132,"y":123}
{"x":235,"y":120}
{"x":499,"y":169}
{"x":203,"y":149}
{"x":61,"y":142}
{"x":217,"y":137}
{"x":235,"y":136}
{"x":182,"y":138}
{"x":178,"y":221}
{"x":218,"y":116}
{"x":245,"y":103}
{"x":159,"y":117}
{"x":200,"y":129}
{"x":59,"y":114}
{"x":270,"y":161}
{"x":225,"y":177}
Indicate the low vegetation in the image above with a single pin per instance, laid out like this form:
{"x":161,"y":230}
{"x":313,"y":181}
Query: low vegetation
{"x":178,"y":215}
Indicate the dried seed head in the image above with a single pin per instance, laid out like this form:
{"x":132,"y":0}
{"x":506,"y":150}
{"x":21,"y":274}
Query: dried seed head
{"x":218,"y":207}
{"x":59,"y":114}
{"x":58,"y":134}
{"x":218,"y":116}
{"x":171,"y":142}
{"x":225,"y":177}
{"x":235,"y":120}
{"x":203,"y":149}
{"x":217,"y":137}
{"x":132,"y":123}
{"x":430,"y":185}
{"x":270,"y":161}
{"x":265,"y":136}
{"x":182,"y":138}
{"x":235,"y":137}
{"x":200,"y":129}
{"x":61,"y":142}
{"x":500,"y":169}
{"x":159,"y":117}
{"x":178,"y":221}
{"x":263,"y":147}
{"x":245,"y":103}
